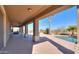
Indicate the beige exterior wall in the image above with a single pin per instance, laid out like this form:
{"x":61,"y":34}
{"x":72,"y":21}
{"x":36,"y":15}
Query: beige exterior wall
{"x":1,"y":30}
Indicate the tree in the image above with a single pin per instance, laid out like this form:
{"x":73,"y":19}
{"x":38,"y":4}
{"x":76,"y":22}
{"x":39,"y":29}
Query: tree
{"x":72,"y":29}
{"x":46,"y":31}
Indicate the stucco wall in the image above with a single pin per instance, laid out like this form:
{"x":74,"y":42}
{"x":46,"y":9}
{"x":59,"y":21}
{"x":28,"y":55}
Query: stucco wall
{"x":1,"y":30}
{"x":7,"y":29}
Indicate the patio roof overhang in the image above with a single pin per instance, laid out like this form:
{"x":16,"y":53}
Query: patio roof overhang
{"x":22,"y":14}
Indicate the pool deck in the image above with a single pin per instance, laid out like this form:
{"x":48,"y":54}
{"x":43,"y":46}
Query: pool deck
{"x":53,"y":45}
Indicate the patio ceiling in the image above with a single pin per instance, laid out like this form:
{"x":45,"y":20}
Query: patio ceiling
{"x":22,"y":14}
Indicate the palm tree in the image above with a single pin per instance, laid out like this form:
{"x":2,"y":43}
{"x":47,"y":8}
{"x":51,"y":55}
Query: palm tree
{"x":72,"y":29}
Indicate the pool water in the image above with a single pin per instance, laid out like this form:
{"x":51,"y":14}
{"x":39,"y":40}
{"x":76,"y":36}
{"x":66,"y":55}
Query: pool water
{"x":68,"y":38}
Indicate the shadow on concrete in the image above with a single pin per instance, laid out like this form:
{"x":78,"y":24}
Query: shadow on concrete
{"x":60,"y":47}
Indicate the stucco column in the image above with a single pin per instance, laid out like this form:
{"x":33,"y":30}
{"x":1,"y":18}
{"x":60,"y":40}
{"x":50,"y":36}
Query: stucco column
{"x":5,"y":26}
{"x":77,"y":45}
{"x":21,"y":29}
{"x":35,"y":30}
{"x":49,"y":23}
{"x":26,"y":29}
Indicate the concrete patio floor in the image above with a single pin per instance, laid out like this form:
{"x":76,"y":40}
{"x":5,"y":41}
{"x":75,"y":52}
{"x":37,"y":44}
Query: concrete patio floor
{"x":47,"y":45}
{"x":51,"y":45}
{"x":19,"y":45}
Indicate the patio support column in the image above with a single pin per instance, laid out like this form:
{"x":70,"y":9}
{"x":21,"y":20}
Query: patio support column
{"x":26,"y":29}
{"x":77,"y":45}
{"x":5,"y":27}
{"x":35,"y":30}
{"x":21,"y":30}
{"x":49,"y":24}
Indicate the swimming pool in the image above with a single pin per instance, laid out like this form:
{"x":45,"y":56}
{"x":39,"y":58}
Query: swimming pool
{"x":67,"y":38}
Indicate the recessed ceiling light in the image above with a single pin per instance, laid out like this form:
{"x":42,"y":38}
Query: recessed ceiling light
{"x":29,"y":9}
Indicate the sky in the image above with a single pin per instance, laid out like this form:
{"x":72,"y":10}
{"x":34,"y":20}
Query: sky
{"x":60,"y":20}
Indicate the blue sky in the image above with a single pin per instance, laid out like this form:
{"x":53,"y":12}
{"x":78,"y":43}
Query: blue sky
{"x":62,"y":19}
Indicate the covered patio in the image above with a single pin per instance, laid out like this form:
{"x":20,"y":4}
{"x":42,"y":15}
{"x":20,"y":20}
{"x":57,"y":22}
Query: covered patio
{"x":24,"y":43}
